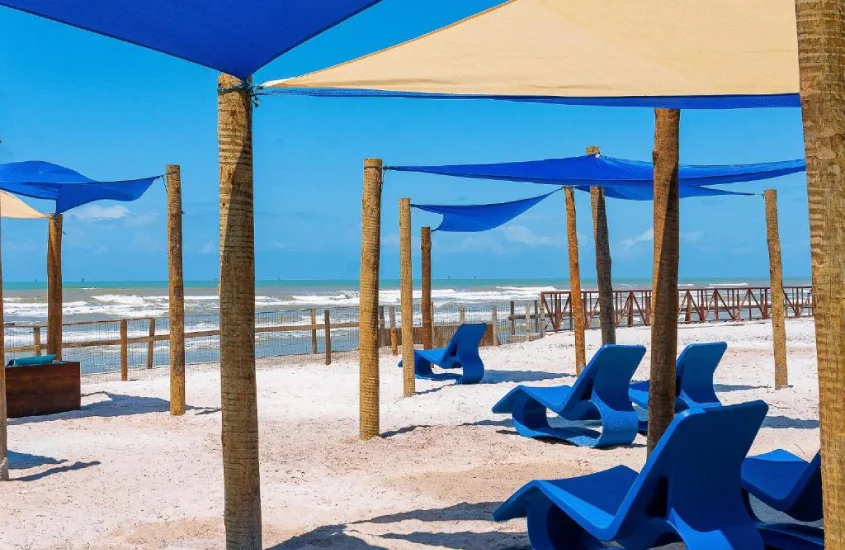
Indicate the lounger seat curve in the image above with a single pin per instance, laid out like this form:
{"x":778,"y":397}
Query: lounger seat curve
{"x":460,"y":353}
{"x":785,"y":482}
{"x":599,"y":393}
{"x":669,"y":501}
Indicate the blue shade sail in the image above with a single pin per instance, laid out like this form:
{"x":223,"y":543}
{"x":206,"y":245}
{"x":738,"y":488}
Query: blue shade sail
{"x":43,"y":180}
{"x":237,"y":37}
{"x":479,"y":217}
{"x":621,"y":178}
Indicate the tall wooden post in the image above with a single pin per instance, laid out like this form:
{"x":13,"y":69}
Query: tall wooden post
{"x":603,"y":272}
{"x":368,"y":360}
{"x":425,"y":304}
{"x":241,"y":476}
{"x":54,"y":286}
{"x":394,"y":339}
{"x":664,"y":311}
{"x":575,"y":283}
{"x":821,"y":57}
{"x":776,"y":283}
{"x":4,"y":435}
{"x":407,"y":297}
{"x":176,"y":285}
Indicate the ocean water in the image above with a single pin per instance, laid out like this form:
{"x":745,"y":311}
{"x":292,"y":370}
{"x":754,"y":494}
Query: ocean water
{"x":85,"y":301}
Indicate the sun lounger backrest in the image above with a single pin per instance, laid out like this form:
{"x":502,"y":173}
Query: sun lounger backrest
{"x":809,"y":485}
{"x":696,"y":466}
{"x":467,"y":337}
{"x":695,"y":368}
{"x":608,"y":375}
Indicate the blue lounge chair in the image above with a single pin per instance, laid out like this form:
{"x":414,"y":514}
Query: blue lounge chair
{"x":688,"y":491}
{"x":461,"y":352}
{"x":600,"y":393}
{"x":693,"y":377}
{"x":785,"y":482}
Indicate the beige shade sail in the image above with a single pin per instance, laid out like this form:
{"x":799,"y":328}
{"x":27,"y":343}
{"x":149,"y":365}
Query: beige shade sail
{"x":684,"y":53}
{"x":13,"y":207}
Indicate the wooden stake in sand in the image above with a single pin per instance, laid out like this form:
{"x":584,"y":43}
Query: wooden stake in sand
{"x":176,"y":287}
{"x":575,"y":301}
{"x":664,"y":311}
{"x":4,"y":435}
{"x":776,"y":282}
{"x":821,"y":56}
{"x":368,"y":358}
{"x":54,"y":286}
{"x":241,"y":477}
{"x":425,"y":304}
{"x":607,"y":317}
{"x":407,"y":297}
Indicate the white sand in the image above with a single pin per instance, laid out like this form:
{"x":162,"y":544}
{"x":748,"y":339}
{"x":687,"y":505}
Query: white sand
{"x":122,"y":473}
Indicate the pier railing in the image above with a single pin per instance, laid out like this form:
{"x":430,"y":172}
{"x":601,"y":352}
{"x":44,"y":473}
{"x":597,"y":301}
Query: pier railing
{"x":695,"y":305}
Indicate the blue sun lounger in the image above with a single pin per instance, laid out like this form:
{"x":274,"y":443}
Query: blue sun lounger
{"x":461,"y":352}
{"x":785,"y":482}
{"x":688,"y":491}
{"x":600,"y":393}
{"x":693,"y":377}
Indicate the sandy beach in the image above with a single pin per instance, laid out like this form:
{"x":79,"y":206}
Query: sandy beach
{"x":122,"y":473}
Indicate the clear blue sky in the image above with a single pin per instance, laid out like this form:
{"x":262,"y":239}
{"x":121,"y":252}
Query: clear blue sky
{"x":112,"y":110}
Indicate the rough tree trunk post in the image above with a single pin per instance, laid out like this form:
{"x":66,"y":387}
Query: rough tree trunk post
{"x":176,"y":285}
{"x":603,"y":273}
{"x":368,"y":366}
{"x":776,"y":283}
{"x":425,"y":304}
{"x":54,"y":286}
{"x":407,"y":297}
{"x":241,"y":476}
{"x":664,"y":311}
{"x":4,"y":437}
{"x":821,"y":56}
{"x":575,"y":282}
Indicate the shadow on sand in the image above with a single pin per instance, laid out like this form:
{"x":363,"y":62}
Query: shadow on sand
{"x":25,"y":461}
{"x":779,"y":421}
{"x":114,"y":405}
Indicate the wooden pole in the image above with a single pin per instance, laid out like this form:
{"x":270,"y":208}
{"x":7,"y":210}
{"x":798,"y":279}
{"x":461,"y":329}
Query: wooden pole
{"x":527,"y":322}
{"x":425,"y":304}
{"x":314,"y":347}
{"x":176,"y":285}
{"x":327,"y":328}
{"x":4,"y":435}
{"x":407,"y":297}
{"x":36,"y":340}
{"x":151,"y":345}
{"x":776,"y":283}
{"x":54,"y":286}
{"x":462,"y":314}
{"x":494,"y":320}
{"x":821,"y":58}
{"x":603,"y":263}
{"x":241,"y":476}
{"x":664,"y":311}
{"x":368,"y":387}
{"x":513,"y":318}
{"x":575,"y":283}
{"x":124,"y":351}
{"x":394,"y":338}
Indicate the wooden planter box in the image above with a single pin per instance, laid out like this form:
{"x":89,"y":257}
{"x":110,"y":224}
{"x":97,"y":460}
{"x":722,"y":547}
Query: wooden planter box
{"x":43,"y":389}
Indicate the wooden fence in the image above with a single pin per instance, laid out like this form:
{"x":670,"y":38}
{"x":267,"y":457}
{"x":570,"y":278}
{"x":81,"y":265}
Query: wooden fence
{"x":695,"y":305}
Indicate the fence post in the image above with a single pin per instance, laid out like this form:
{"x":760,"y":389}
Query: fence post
{"x":314,"y":331}
{"x":462,"y":314}
{"x":328,"y":328}
{"x":36,"y":340}
{"x":513,"y":318}
{"x":494,"y":320}
{"x":380,"y":326}
{"x":527,"y":322}
{"x":536,"y":316}
{"x":688,"y":315}
{"x":394,"y":344}
{"x":151,"y":344}
{"x":124,"y":351}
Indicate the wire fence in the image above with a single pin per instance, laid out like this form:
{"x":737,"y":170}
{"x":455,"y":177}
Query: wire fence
{"x":138,"y":348}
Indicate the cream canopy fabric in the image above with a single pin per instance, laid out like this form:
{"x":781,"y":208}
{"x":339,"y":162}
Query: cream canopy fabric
{"x":675,"y":53}
{"x":13,"y":207}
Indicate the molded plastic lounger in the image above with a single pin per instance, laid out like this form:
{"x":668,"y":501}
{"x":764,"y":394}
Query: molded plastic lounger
{"x":693,"y":377}
{"x":785,"y":482}
{"x":688,"y":491}
{"x":461,"y":352}
{"x":601,"y":392}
